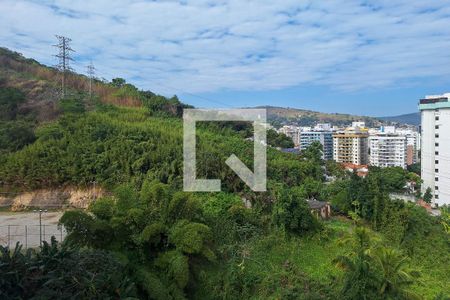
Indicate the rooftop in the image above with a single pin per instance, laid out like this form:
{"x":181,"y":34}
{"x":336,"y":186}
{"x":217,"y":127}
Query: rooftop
{"x":434,"y":102}
{"x":316,"y":204}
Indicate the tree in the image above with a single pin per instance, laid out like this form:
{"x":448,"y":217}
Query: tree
{"x":392,"y":179}
{"x":396,"y":276}
{"x":360,"y":274}
{"x":335,"y":169}
{"x":418,"y":225}
{"x":281,"y":140}
{"x":103,"y":208}
{"x":118,"y":82}
{"x":62,"y":272}
{"x":159,"y":231}
{"x":314,"y":152}
{"x":292,"y":213}
{"x":14,"y":135}
{"x":85,"y":230}
{"x":428,"y":196}
{"x":10,"y":98}
{"x":414,"y":168}
{"x":445,"y":218}
{"x":71,"y":105}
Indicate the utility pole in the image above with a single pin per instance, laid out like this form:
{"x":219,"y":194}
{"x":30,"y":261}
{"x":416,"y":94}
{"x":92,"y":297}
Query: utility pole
{"x":40,"y":211}
{"x":91,"y":74}
{"x":95,"y":191}
{"x":64,"y":51}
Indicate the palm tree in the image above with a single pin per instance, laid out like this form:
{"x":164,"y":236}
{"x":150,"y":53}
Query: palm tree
{"x":373,"y":272}
{"x":360,"y":280}
{"x":445,"y":219}
{"x":395,"y":277}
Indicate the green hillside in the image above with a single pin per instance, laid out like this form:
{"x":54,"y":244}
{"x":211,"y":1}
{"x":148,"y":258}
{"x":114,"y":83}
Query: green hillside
{"x":150,"y":240}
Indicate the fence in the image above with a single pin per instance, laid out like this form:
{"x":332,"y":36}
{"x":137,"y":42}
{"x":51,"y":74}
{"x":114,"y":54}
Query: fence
{"x":30,"y":236}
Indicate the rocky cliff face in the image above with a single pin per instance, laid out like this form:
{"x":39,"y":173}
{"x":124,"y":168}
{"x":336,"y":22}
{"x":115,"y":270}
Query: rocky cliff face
{"x":51,"y":198}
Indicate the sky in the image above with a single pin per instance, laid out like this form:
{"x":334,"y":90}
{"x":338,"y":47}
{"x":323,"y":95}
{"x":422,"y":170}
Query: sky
{"x":374,"y":58}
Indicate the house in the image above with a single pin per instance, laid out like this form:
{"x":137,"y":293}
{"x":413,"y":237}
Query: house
{"x":320,"y":209}
{"x":361,"y":170}
{"x":290,"y":150}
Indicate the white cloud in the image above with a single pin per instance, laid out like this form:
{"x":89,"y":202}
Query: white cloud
{"x":206,"y":46}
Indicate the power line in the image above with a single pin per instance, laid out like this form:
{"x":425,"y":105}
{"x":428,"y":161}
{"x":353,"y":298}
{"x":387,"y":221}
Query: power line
{"x":193,"y":95}
{"x":64,"y":57}
{"x":91,"y":74}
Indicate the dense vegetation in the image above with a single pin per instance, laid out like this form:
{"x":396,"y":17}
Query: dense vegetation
{"x":178,"y":245}
{"x":56,"y":272}
{"x":150,"y":240}
{"x":115,"y":145}
{"x":16,"y":127}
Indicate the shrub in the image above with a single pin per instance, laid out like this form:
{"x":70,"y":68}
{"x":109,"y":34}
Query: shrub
{"x":61,"y":272}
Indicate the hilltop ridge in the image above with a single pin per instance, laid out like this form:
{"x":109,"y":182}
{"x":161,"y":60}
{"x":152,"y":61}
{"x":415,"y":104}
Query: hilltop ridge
{"x":279,"y":116}
{"x":411,"y":119}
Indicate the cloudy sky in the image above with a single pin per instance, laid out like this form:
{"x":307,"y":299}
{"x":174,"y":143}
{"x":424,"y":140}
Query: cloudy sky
{"x":366,"y":57}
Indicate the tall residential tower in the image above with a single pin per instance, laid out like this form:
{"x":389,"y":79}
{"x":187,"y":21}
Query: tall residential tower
{"x":351,"y":146}
{"x":388,"y":150}
{"x":435,"y":146}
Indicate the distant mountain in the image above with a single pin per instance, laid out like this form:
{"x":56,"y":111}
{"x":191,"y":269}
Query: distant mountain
{"x":410,"y":119}
{"x":279,"y":116}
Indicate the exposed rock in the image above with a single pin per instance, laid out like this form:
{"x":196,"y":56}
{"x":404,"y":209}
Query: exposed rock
{"x":52,"y":198}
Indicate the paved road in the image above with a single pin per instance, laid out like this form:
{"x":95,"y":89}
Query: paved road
{"x":24,"y":227}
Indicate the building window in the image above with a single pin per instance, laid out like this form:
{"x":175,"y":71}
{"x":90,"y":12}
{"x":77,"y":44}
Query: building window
{"x":437,"y":118}
{"x":436,"y":152}
{"x":436,"y":196}
{"x":436,"y":188}
{"x":436,"y":162}
{"x":436,"y":178}
{"x":436,"y":127}
{"x":436,"y":170}
{"x":436,"y":144}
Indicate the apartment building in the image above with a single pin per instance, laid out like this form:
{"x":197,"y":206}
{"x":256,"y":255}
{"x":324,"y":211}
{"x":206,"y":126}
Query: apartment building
{"x":412,"y":145}
{"x":322,"y":136}
{"x":358,"y":124}
{"x":435,"y":146}
{"x":293,"y":132}
{"x":351,"y":146}
{"x":387,"y":150}
{"x":323,"y":127}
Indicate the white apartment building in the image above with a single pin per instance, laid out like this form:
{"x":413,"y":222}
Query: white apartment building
{"x":359,"y":124}
{"x":388,"y":129}
{"x":435,"y":146}
{"x":323,"y":127}
{"x":387,"y":150}
{"x":351,"y":146}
